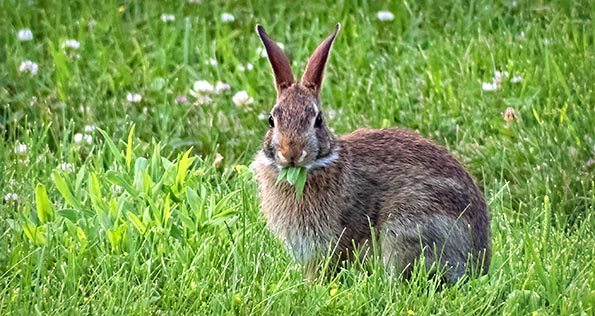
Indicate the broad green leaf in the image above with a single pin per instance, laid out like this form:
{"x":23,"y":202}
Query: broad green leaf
{"x":301,"y":182}
{"x":166,"y":163}
{"x":138,"y":224}
{"x":80,"y":177}
{"x":169,"y":176}
{"x":65,"y":191}
{"x":148,"y":185}
{"x":195,"y":203}
{"x":95,"y":194}
{"x":156,"y":164}
{"x":36,"y":234}
{"x":116,"y":178}
{"x":186,"y":220}
{"x":293,"y":174}
{"x":282,"y":175}
{"x":113,"y":148}
{"x":116,"y":235}
{"x":183,"y":166}
{"x":81,"y":234}
{"x":70,"y":214}
{"x":296,"y":176}
{"x":45,"y":212}
{"x":147,"y":214}
{"x":139,"y":169}
{"x":192,"y":197}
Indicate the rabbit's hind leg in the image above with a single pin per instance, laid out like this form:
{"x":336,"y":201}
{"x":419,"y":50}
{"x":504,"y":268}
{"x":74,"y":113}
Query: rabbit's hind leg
{"x":443,"y":241}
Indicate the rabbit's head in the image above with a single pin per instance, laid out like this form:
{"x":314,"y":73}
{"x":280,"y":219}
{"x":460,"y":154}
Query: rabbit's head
{"x":298,"y":135}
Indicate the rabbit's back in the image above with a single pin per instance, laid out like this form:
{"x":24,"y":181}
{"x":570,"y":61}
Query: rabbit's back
{"x":406,"y":164}
{"x":419,"y":192}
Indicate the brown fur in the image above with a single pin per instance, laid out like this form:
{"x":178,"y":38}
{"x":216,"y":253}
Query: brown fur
{"x":417,"y":197}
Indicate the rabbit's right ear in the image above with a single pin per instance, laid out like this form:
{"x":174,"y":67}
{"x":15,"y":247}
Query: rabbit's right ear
{"x":281,"y":67}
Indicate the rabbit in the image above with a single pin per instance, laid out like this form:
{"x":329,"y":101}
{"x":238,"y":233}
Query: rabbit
{"x":391,"y":186}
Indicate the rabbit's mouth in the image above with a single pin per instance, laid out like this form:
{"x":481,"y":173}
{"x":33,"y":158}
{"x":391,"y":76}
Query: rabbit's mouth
{"x":291,"y":158}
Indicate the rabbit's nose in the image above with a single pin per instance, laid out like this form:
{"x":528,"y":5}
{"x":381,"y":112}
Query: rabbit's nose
{"x":292,"y":156}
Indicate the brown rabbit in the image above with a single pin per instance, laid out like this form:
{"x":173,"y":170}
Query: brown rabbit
{"x":418,"y":199}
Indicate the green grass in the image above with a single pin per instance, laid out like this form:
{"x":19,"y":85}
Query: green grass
{"x":146,"y":220}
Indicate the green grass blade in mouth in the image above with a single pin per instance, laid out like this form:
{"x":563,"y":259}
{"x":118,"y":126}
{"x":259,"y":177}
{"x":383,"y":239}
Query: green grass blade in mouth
{"x":295,"y":176}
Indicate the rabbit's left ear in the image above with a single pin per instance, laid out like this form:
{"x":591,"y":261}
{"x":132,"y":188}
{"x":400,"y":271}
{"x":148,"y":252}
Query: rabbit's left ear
{"x":281,"y":67}
{"x":315,"y":69}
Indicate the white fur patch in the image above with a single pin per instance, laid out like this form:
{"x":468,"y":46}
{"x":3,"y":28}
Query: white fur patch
{"x":304,"y":154}
{"x":275,"y":138}
{"x":305,"y":247}
{"x":315,"y":107}
{"x":324,"y":162}
{"x":262,"y":160}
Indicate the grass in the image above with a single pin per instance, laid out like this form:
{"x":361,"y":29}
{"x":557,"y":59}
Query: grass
{"x":142,"y":217}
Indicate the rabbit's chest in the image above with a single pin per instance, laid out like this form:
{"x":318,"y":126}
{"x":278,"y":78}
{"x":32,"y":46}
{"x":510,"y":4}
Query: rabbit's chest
{"x":306,"y":235}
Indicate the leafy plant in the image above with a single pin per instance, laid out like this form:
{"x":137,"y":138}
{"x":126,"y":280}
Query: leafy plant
{"x":296,"y":176}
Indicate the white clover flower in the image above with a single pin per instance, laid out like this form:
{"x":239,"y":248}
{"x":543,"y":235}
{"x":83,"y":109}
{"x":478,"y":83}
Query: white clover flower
{"x":242,"y":98}
{"x":211,"y":61}
{"x":262,"y":116}
{"x":203,"y":99}
{"x":488,"y":86}
{"x":66,"y":166}
{"x":28,"y":66}
{"x":70,"y":43}
{"x":168,"y":17}
{"x":220,"y":87}
{"x":499,"y":75}
{"x":227,"y":17}
{"x":79,"y":138}
{"x":25,"y":35}
{"x":90,"y":128}
{"x":218,"y":160}
{"x":133,"y":97}
{"x":202,"y":86}
{"x":194,"y":1}
{"x":11,"y":197}
{"x":520,"y":36}
{"x":516,"y":79}
{"x":385,"y":16}
{"x":91,"y":25}
{"x":496,"y":81}
{"x":20,"y":149}
{"x":263,"y":52}
{"x":248,"y":67}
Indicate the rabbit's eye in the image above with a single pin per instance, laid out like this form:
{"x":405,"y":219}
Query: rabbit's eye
{"x":318,"y":121}
{"x":271,"y":121}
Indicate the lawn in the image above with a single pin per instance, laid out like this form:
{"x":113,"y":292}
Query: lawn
{"x":127,"y":129}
